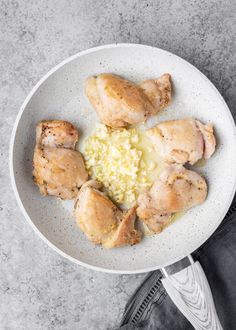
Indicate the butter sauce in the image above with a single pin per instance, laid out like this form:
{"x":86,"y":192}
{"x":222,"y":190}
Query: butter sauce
{"x":104,"y":147}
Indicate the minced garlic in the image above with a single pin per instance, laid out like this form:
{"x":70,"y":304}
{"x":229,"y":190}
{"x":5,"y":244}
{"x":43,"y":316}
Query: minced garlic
{"x":118,"y":159}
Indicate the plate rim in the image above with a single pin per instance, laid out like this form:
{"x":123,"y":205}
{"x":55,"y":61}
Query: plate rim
{"x":11,"y":156}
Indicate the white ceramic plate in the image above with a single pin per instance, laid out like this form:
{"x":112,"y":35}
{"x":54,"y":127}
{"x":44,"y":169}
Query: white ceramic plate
{"x":60,"y":95}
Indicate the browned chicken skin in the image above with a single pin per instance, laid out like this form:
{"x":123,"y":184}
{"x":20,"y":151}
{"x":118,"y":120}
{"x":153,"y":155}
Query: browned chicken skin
{"x":101,"y":221}
{"x":158,"y":91}
{"x":182,"y":141}
{"x":119,"y":102}
{"x":58,"y":169}
{"x":56,"y":134}
{"x":177,"y":189}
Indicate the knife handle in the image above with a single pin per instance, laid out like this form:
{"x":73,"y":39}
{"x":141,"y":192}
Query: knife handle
{"x":190,"y":291}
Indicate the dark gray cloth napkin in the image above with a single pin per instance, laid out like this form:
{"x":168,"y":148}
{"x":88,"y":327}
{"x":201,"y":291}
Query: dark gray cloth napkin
{"x":150,"y":308}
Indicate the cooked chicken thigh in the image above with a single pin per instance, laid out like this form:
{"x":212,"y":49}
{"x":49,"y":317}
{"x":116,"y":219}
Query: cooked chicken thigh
{"x":101,"y":221}
{"x":58,"y":169}
{"x":158,"y":91}
{"x":182,"y":141}
{"x":56,"y":134}
{"x":119,"y":102}
{"x":177,"y":189}
{"x":208,"y":137}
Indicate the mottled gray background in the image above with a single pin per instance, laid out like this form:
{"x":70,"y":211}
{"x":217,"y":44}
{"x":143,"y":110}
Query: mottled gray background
{"x":38,"y":288}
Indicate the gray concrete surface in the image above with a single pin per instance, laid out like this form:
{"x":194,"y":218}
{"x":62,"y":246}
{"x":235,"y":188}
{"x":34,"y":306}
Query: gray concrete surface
{"x":38,"y":288}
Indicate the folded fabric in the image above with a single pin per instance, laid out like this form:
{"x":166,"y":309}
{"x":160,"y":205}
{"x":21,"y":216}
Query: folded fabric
{"x":151,"y":308}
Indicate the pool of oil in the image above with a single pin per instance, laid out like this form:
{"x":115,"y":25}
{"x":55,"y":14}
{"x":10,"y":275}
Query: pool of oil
{"x":200,"y":163}
{"x":150,"y":156}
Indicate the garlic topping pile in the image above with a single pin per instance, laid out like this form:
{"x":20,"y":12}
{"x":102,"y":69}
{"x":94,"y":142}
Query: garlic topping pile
{"x":122,"y":160}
